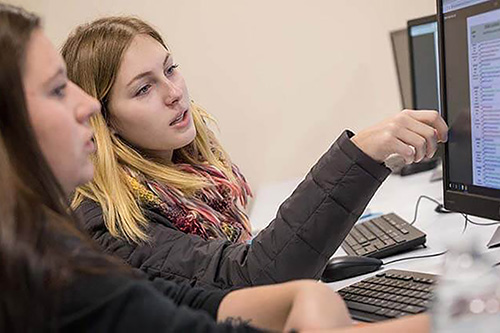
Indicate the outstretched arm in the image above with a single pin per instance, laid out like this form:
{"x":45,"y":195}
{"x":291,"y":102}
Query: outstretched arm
{"x":309,"y":227}
{"x":305,"y":306}
{"x":297,"y":305}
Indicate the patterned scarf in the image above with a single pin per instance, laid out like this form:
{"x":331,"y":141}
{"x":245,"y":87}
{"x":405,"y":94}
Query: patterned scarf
{"x":214,"y":212}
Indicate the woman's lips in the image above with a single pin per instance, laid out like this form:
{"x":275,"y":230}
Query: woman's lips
{"x":181,"y":120}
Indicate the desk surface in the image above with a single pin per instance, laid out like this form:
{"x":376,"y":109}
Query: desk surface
{"x":399,"y":195}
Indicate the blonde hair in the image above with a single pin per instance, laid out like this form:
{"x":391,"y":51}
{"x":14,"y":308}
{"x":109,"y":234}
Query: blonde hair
{"x":93,"y":54}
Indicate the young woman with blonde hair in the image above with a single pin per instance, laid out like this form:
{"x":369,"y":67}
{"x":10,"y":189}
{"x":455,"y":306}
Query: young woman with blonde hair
{"x":167,"y":198}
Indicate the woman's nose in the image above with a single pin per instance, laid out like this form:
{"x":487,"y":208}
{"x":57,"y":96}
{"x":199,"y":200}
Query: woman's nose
{"x":173,"y":93}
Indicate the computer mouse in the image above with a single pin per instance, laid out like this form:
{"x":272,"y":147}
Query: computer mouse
{"x":340,"y":268}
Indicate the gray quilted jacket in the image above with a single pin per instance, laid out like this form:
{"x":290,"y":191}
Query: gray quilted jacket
{"x":308,"y":228}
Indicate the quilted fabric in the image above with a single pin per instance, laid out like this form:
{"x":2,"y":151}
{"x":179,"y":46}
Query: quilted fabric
{"x":308,"y":228}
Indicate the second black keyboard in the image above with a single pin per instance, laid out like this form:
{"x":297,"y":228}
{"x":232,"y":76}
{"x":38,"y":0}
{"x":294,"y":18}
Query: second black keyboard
{"x":390,"y":294}
{"x":382,"y":236}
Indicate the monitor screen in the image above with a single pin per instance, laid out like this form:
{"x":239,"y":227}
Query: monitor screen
{"x":470,"y":72}
{"x":424,"y":62}
{"x":400,"y":49}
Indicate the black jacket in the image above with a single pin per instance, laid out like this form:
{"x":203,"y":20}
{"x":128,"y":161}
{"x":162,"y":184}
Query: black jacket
{"x":310,"y":225}
{"x":114,"y":303}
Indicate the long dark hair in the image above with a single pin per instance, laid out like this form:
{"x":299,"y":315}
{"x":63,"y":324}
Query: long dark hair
{"x":40,"y":246}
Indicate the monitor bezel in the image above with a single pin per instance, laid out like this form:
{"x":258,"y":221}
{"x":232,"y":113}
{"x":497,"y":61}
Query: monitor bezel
{"x":409,"y":25}
{"x":462,"y":202}
{"x":406,"y":104}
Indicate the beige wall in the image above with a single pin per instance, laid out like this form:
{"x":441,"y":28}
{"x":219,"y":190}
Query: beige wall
{"x":283,"y":77}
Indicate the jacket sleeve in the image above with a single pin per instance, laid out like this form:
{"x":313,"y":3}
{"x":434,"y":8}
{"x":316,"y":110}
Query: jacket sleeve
{"x":119,"y":304}
{"x":192,"y":297}
{"x":308,"y":228}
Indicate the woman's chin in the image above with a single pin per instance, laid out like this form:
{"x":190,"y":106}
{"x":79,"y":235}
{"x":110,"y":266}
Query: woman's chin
{"x":187,"y":138}
{"x":86,"y":175}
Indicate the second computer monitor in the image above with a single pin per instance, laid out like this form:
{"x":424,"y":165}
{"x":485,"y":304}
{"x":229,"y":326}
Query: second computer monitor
{"x":401,"y":52}
{"x":424,"y":62}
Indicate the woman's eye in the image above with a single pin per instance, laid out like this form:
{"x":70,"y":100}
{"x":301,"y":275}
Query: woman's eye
{"x":60,"y":91}
{"x":170,"y":70}
{"x":144,"y":90}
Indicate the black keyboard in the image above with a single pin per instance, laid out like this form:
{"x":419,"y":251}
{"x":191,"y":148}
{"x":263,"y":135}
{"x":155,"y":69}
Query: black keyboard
{"x":382,"y":236}
{"x":390,"y":294}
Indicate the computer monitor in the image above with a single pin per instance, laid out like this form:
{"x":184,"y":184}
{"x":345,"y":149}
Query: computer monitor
{"x":424,"y":62}
{"x":417,"y":63}
{"x":401,"y":52}
{"x":424,"y":67}
{"x":469,"y":32}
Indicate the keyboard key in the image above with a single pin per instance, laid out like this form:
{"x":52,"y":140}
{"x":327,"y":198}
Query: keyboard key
{"x":382,"y":311}
{"x":384,"y":237}
{"x":349,"y":240}
{"x":408,"y":300}
{"x":408,"y":292}
{"x":373,"y":228}
{"x":361,"y":251}
{"x":379,"y":244}
{"x":386,"y":296}
{"x":397,"y":298}
{"x":412,"y":309}
{"x":356,"y":298}
{"x":363,"y":292}
{"x":398,"y":239}
{"x":393,"y":314}
{"x":389,"y":242}
{"x":361,"y":284}
{"x":357,"y":247}
{"x":424,"y":304}
{"x":384,"y":289}
{"x":362,"y":307}
{"x":384,"y":225}
{"x":365,"y":232}
{"x":399,"y":306}
{"x":358,"y":237}
{"x":370,"y":249}
{"x":420,"y":295}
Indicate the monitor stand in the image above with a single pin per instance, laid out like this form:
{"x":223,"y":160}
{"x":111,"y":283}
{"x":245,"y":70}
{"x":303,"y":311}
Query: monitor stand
{"x":437,"y":174}
{"x":495,"y":240}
